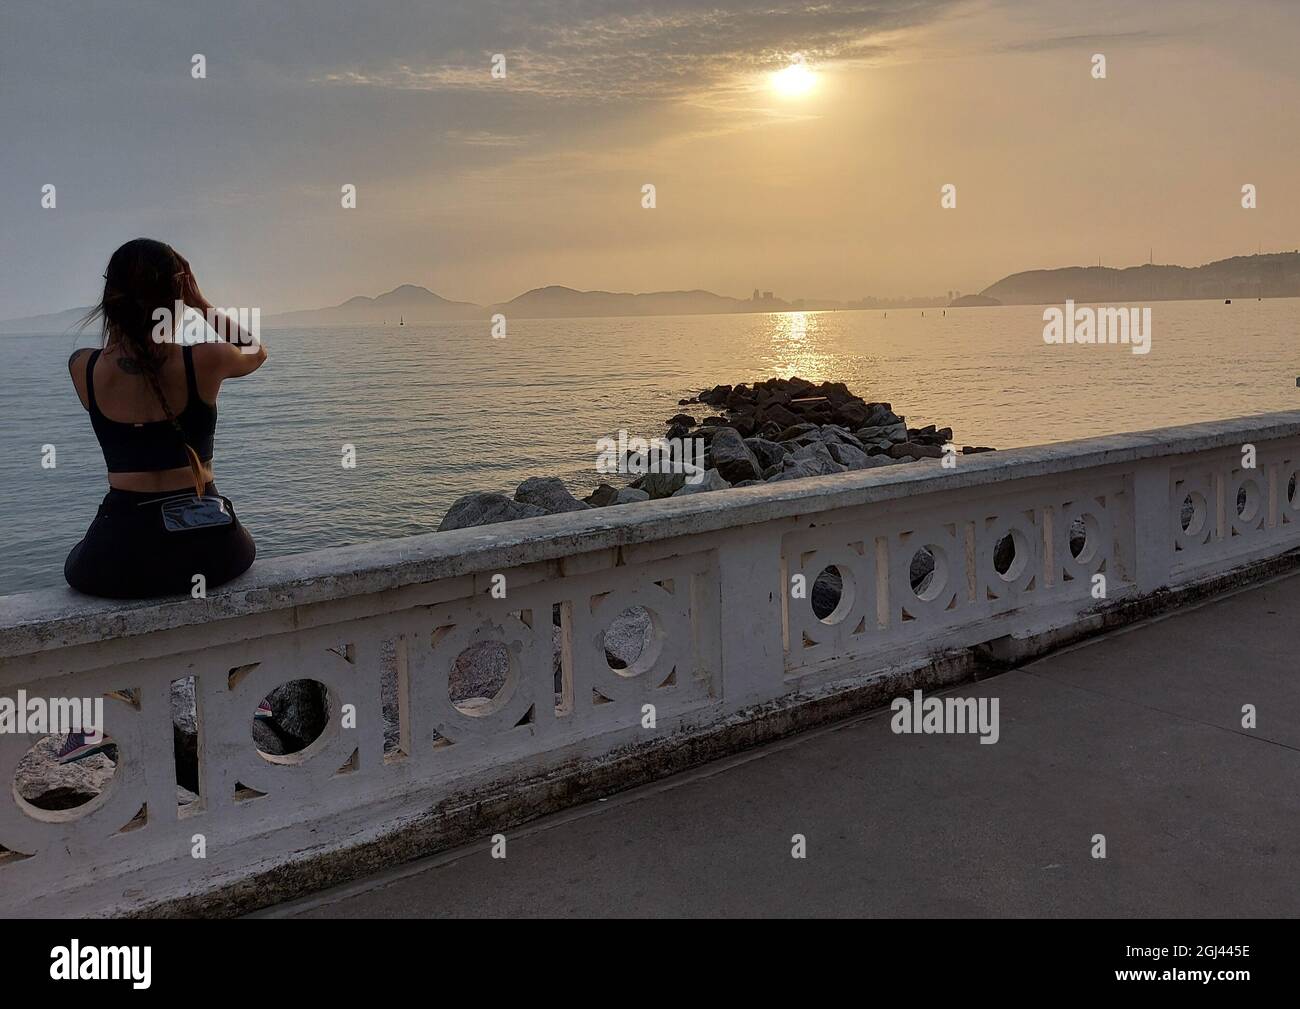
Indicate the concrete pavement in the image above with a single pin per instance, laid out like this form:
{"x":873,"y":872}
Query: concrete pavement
{"x":1136,"y":736}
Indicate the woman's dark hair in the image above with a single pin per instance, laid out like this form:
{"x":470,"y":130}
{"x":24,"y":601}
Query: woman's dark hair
{"x":143,"y":276}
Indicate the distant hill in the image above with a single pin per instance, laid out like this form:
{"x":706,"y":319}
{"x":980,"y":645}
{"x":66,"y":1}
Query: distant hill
{"x":566,"y":303}
{"x":973,"y":301}
{"x":415,"y":305}
{"x":1273,"y":275}
{"x":54,"y":324}
{"x":409,"y":302}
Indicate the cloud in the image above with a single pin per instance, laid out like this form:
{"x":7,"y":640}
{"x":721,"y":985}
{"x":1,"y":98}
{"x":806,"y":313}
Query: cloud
{"x":486,"y":138}
{"x":1089,"y":41}
{"x":624,"y":51}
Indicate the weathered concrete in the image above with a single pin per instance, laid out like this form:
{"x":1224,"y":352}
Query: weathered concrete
{"x":1135,"y":735}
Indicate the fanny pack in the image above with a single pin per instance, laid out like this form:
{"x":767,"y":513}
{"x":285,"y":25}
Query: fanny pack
{"x":186,"y":512}
{"x":207,"y":512}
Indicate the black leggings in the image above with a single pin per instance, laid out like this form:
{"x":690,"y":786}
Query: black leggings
{"x":128,"y":554}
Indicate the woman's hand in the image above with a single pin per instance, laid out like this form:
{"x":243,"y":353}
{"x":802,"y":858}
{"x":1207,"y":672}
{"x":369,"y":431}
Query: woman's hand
{"x":190,"y":293}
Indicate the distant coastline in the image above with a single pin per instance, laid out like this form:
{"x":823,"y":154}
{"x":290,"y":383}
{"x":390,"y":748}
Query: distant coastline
{"x":1271,"y":275}
{"x":1268,"y":275}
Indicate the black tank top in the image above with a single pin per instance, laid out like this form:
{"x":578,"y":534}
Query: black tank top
{"x":154,"y":445}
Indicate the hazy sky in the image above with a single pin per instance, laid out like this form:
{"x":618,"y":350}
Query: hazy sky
{"x":480,"y":188}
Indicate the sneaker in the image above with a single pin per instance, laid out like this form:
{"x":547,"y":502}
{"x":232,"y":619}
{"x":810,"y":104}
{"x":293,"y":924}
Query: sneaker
{"x":264,"y":710}
{"x":78,"y":747}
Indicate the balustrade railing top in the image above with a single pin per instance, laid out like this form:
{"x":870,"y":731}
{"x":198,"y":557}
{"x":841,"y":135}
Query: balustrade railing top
{"x":57,"y":618}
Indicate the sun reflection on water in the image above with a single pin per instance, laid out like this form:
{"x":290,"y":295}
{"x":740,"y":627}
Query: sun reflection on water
{"x":797,"y":346}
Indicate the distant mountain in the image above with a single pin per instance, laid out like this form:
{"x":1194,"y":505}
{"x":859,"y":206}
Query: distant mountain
{"x":54,"y":324}
{"x":566,"y":303}
{"x":409,"y":302}
{"x":1273,"y":275}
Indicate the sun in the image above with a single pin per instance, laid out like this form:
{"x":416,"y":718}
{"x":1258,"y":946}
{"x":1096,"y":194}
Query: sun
{"x":794,"y":81}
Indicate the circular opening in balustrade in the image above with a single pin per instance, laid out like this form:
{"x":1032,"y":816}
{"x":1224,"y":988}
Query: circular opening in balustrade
{"x":479,"y":681}
{"x":291,"y":717}
{"x":1084,"y":538}
{"x":628,"y":640}
{"x":1249,"y":499}
{"x":832,"y":594}
{"x":928,"y":572}
{"x":1191,"y":515}
{"x":1011,"y":555}
{"x":65,"y":772}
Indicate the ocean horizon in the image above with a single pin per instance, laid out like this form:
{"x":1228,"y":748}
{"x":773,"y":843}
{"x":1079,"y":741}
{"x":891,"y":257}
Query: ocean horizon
{"x":436,"y":411}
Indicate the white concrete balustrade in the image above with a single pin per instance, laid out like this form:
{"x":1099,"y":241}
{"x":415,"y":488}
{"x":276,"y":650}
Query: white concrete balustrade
{"x":729,"y":641}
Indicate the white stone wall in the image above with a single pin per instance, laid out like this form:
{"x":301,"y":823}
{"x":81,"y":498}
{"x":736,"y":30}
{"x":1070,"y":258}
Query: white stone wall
{"x":713,"y":570}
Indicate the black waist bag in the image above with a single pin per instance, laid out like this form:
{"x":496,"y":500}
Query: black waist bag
{"x":187,"y":512}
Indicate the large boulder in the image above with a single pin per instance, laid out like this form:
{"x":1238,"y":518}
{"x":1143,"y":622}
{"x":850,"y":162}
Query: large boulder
{"x":778,"y":414}
{"x":746,"y":423}
{"x":631,"y":495}
{"x":484,"y":508}
{"x":881,"y":415}
{"x":817,"y":455}
{"x":1079,"y":531}
{"x":184,"y":706}
{"x":796,"y":469}
{"x":300,"y":712}
{"x":767,"y":453}
{"x":921,"y":570}
{"x":795,"y":430}
{"x":603,"y":496}
{"x":478,"y":674}
{"x":832,"y":433}
{"x":827,"y":588}
{"x":732,"y":458}
{"x":916,"y":450}
{"x":852,"y":413}
{"x":850,"y":457}
{"x":713,"y":480}
{"x":659,"y":485}
{"x":740,"y":397}
{"x":549,"y":494}
{"x":874,"y":440}
{"x":627,"y":637}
